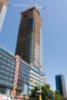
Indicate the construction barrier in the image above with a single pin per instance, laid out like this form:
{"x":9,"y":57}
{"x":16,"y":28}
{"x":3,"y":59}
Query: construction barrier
{"x":3,"y":97}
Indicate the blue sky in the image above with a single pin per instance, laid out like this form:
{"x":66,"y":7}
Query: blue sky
{"x":54,"y":28}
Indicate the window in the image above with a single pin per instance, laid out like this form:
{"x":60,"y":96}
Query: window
{"x":0,"y":55}
{"x":9,"y":60}
{"x":13,"y":62}
{"x":8,"y":64}
{"x":24,"y":15}
{"x":4,"y":62}
{"x":8,"y":83}
{"x":0,"y":60}
{"x":11,"y":79}
{"x":2,"y":71}
{"x":4,"y":58}
{"x":2,"y":81}
{"x":3,"y":66}
{"x":1,"y":76}
{"x":31,"y":9}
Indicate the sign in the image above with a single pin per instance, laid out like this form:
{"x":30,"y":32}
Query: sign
{"x":49,"y":94}
{"x":32,"y":81}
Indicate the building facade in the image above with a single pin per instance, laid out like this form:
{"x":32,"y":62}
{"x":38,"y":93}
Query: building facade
{"x":3,"y":9}
{"x":29,"y":41}
{"x":60,"y":84}
{"x":16,"y":75}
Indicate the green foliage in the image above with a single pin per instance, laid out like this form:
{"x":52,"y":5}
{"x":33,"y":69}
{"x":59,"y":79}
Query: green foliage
{"x":34,"y":93}
{"x":45,"y":90}
{"x":57,"y":92}
{"x":64,"y":98}
{"x":58,"y":97}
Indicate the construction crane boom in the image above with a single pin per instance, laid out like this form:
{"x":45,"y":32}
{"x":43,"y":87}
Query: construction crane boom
{"x":23,"y":5}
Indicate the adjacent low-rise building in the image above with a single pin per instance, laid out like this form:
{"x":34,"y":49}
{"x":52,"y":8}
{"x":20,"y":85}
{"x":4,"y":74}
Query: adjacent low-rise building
{"x":16,"y":75}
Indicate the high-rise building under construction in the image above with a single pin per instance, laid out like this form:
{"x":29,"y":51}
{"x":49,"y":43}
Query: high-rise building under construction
{"x":29,"y":42}
{"x":3,"y":9}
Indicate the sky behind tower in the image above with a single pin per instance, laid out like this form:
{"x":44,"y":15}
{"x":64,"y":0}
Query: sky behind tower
{"x":54,"y":29}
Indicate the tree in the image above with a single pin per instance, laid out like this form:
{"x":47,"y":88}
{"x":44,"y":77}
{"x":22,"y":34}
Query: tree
{"x":64,"y":98}
{"x":57,"y":92}
{"x":34,"y":94}
{"x":45,"y":90}
{"x":58,"y":95}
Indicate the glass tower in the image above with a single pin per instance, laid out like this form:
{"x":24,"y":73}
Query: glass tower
{"x":29,"y":41}
{"x":60,"y":84}
{"x":3,"y":9}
